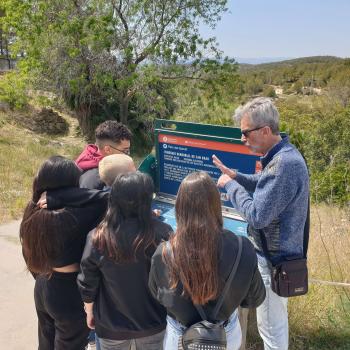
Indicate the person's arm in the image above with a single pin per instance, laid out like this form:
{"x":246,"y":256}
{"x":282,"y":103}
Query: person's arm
{"x":166,"y":232}
{"x":223,"y":168}
{"x":153,"y":277}
{"x":247,"y":181}
{"x":91,"y":179}
{"x":89,"y":310}
{"x":74,"y":197}
{"x":256,"y":293}
{"x":89,"y":276}
{"x":277,"y":187}
{"x":88,"y":206}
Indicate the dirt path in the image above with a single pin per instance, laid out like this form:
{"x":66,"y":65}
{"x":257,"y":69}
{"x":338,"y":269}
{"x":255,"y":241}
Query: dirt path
{"x":18,"y":323}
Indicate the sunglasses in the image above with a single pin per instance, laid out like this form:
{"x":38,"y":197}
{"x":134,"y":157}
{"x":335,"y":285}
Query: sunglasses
{"x":127,"y":152}
{"x":246,"y":132}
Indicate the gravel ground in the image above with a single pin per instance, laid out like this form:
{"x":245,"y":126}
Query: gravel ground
{"x":18,"y":323}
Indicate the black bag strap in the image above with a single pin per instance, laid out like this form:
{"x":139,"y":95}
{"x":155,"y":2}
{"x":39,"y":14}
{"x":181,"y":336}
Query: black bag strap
{"x":305,"y":239}
{"x":226,"y":287}
{"x":264,"y":246}
{"x":307,"y":222}
{"x":307,"y":230}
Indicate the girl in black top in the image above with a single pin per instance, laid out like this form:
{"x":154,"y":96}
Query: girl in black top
{"x":197,"y":262}
{"x":53,"y":242}
{"x":115,"y":267}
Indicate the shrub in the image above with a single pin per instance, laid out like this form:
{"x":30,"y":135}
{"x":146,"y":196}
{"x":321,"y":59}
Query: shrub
{"x":269,"y":91}
{"x":13,"y":90}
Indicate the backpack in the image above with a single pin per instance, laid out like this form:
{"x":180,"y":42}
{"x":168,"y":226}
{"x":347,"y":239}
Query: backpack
{"x":205,"y":335}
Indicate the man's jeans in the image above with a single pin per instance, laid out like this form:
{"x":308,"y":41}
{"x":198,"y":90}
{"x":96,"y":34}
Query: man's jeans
{"x":174,"y":331}
{"x":272,"y":314}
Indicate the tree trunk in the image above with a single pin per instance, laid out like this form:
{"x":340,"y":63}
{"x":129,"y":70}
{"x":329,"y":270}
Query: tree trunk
{"x":84,"y":118}
{"x":124,"y":110}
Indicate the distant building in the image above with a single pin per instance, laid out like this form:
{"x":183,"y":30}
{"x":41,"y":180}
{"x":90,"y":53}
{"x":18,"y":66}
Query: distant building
{"x":278,"y":90}
{"x":308,"y":90}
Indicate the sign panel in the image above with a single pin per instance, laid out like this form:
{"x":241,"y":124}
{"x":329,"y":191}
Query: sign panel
{"x":239,"y":227}
{"x":178,"y":156}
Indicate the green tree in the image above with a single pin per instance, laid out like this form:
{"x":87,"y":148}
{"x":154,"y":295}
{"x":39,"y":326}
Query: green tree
{"x":338,"y":86}
{"x":253,"y":86}
{"x":5,"y":38}
{"x":102,"y":55}
{"x":269,"y":91}
{"x":298,"y":87}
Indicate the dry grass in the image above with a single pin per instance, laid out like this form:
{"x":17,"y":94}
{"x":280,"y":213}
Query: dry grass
{"x":321,"y":319}
{"x":21,"y":153}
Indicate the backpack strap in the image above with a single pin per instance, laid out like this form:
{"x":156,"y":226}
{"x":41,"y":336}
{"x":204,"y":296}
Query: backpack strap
{"x":226,"y":287}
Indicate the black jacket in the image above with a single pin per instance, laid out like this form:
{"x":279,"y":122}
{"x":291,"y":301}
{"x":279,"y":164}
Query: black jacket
{"x":91,"y":179}
{"x":247,"y":288}
{"x":85,"y":217}
{"x":124,"y":307}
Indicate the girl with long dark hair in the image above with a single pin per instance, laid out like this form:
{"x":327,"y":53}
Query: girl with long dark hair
{"x":197,"y":262}
{"x":52,"y":244}
{"x":115,"y":267}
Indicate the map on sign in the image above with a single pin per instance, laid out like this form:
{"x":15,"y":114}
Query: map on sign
{"x":239,"y":227}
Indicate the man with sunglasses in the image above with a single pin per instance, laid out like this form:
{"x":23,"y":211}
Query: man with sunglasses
{"x":111,"y":137}
{"x":274,"y":203}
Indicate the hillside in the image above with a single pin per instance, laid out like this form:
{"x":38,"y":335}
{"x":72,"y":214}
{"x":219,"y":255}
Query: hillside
{"x":300,"y":76}
{"x":21,"y":153}
{"x":291,"y":62}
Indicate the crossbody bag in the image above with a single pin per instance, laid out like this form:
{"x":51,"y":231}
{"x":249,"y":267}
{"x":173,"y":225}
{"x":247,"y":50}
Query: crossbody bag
{"x":289,"y":277}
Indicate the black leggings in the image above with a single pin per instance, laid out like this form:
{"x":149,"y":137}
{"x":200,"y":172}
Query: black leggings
{"x":61,"y":316}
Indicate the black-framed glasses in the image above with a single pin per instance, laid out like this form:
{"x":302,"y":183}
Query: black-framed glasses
{"x":246,"y":132}
{"x":127,"y":152}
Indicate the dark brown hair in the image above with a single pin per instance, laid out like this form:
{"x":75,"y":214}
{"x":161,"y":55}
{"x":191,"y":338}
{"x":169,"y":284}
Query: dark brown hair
{"x":194,"y":261}
{"x":41,"y":230}
{"x":41,"y":235}
{"x":112,"y":130}
{"x":131,"y":197}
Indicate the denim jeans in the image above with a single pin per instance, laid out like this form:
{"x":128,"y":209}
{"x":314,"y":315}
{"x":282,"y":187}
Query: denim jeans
{"x":97,"y":340}
{"x":272,"y":314}
{"x":152,"y":342}
{"x":174,"y":331}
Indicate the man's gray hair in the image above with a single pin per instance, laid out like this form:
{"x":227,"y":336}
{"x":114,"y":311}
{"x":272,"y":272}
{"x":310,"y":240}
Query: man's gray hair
{"x":261,"y":111}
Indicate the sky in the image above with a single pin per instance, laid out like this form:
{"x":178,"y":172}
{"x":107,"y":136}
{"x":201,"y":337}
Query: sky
{"x":284,"y":28}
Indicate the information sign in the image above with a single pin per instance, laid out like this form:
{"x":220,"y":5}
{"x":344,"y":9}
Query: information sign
{"x":179,"y":156}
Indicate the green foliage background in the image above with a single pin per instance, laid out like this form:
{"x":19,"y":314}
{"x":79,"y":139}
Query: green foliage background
{"x":66,"y":52}
{"x":88,"y":55}
{"x":317,"y":123}
{"x":118,"y":60}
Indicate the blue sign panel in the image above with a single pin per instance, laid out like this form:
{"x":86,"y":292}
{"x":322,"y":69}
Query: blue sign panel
{"x":168,"y":216}
{"x":179,"y":156}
